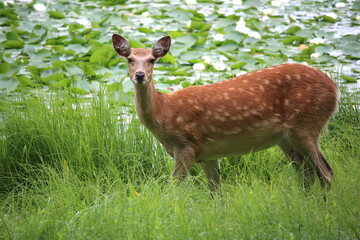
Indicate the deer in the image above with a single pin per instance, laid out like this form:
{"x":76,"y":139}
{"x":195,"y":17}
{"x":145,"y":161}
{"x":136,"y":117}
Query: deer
{"x":286,"y":105}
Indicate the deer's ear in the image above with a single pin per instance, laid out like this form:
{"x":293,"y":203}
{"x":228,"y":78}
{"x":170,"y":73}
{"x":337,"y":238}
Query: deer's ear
{"x":161,"y":47}
{"x":121,"y":45}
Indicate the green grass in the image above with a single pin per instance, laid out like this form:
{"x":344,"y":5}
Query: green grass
{"x":79,"y":169}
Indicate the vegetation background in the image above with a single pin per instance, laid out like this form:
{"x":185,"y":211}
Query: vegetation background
{"x":75,"y":163}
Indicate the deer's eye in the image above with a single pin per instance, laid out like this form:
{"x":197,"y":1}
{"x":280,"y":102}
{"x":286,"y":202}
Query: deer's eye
{"x":129,"y":60}
{"x":152,"y":61}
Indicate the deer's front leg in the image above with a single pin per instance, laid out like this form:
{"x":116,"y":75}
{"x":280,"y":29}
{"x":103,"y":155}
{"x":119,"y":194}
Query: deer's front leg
{"x":184,"y":160}
{"x":212,"y":172}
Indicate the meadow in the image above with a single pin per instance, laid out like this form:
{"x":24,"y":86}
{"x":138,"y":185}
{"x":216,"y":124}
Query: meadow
{"x":79,"y":170}
{"x":75,"y":162}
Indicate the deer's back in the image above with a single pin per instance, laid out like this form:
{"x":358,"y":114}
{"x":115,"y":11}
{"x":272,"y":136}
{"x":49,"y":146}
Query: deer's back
{"x":256,"y":107}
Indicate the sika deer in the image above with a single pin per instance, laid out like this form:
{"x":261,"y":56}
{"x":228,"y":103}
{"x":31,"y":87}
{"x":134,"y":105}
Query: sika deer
{"x":286,"y":105}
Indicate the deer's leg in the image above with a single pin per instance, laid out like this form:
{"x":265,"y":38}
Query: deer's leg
{"x":325,"y":181}
{"x":308,"y":146}
{"x":212,"y":172}
{"x":301,"y":164}
{"x":184,"y":160}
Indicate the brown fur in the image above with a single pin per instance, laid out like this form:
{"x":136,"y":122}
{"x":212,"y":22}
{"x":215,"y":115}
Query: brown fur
{"x":285,"y":105}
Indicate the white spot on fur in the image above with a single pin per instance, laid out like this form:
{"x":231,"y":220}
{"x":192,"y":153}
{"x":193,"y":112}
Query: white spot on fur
{"x":179,"y":119}
{"x":286,"y":102}
{"x":226,"y":96}
{"x":254,"y":112}
{"x":199,"y":108}
{"x":274,"y":120}
{"x":233,"y":131}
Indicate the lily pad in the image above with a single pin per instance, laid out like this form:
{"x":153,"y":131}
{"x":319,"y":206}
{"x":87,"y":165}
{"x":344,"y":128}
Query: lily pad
{"x":349,"y":79}
{"x":4,"y":67}
{"x":56,"y":15}
{"x":14,"y":44}
{"x":103,"y":55}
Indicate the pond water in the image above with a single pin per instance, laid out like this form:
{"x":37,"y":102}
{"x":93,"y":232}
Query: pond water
{"x":66,"y":44}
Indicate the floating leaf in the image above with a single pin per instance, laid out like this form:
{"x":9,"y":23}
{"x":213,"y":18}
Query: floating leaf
{"x":234,"y":36}
{"x":89,"y":70}
{"x":325,"y":18}
{"x":136,"y":44}
{"x":228,"y":45}
{"x":12,"y":36}
{"x":169,"y":59}
{"x":349,"y":79}
{"x":324,"y":48}
{"x":145,"y":30}
{"x":175,"y":34}
{"x":56,"y":77}
{"x":65,"y":83}
{"x":238,"y":65}
{"x":92,"y":35}
{"x":25,"y":81}
{"x":76,"y":90}
{"x":103,"y":55}
{"x":8,"y":84}
{"x":186,"y":84}
{"x":200,"y":26}
{"x":4,"y":67}
{"x":56,"y":40}
{"x":82,"y":84}
{"x":39,"y":30}
{"x":296,"y":40}
{"x":188,"y":40}
{"x":56,"y":15}
{"x":14,"y":44}
{"x":292,"y":30}
{"x":355,"y":70}
{"x":114,"y":87}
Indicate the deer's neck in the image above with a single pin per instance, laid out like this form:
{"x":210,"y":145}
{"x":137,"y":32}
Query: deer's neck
{"x":148,"y":104}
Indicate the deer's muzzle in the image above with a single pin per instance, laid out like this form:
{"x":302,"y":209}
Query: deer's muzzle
{"x":140,"y":77}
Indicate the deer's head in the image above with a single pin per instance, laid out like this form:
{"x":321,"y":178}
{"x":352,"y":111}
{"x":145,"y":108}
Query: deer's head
{"x":141,"y":61}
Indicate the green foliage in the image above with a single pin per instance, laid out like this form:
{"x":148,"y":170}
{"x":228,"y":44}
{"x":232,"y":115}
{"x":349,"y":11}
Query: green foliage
{"x":56,"y":15}
{"x":75,"y":163}
{"x":80,"y":34}
{"x":78,"y":168}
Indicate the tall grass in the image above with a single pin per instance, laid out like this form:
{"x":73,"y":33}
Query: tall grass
{"x":80,"y":169}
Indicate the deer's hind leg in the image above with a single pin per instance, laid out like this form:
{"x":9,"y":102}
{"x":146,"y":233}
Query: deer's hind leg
{"x":300,"y":163}
{"x":305,"y":144}
{"x":212,"y":172}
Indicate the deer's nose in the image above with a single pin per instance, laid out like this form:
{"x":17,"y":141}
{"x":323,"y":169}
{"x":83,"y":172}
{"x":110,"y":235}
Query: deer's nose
{"x":140,"y":76}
